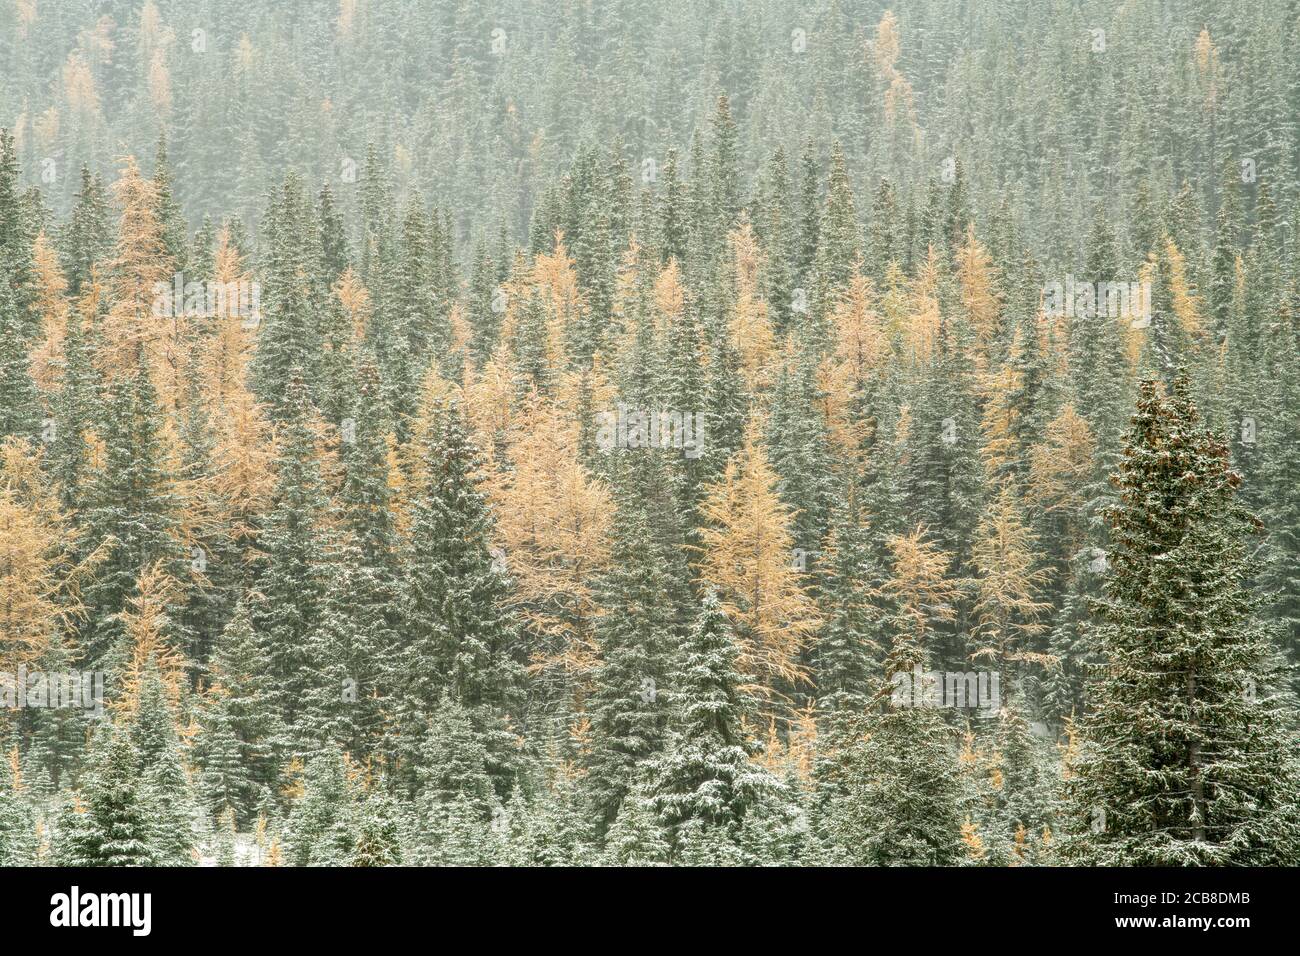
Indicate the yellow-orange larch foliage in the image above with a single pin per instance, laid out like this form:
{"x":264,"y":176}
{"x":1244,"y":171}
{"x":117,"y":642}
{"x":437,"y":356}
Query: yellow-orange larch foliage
{"x":26,"y":16}
{"x":154,"y":35}
{"x":1206,"y":56}
{"x":160,"y":84}
{"x":751,"y":326}
{"x":140,"y":266}
{"x":979,"y":294}
{"x":38,"y":579}
{"x":919,"y":588}
{"x":1060,"y":467}
{"x":347,"y":17}
{"x":669,"y":296}
{"x":274,"y":856}
{"x":355,"y":299}
{"x":974,"y":843}
{"x":225,"y":354}
{"x":461,"y":331}
{"x":1008,"y":584}
{"x":490,"y":404}
{"x":886,"y":46}
{"x":556,"y":280}
{"x":894,"y":302}
{"x":922,"y":323}
{"x":1019,"y":842}
{"x":52,"y":306}
{"x":552,"y":519}
{"x":243,"y":467}
{"x":999,"y":420}
{"x":746,"y":555}
{"x":580,"y":741}
{"x":79,"y":87}
{"x":146,"y":619}
{"x":244,"y":55}
{"x":293,"y":787}
{"x":1168,"y":266}
{"x":436,"y":394}
{"x":1131,"y":334}
{"x":968,"y":756}
{"x":793,"y":756}
{"x":555,"y":276}
{"x":859,"y":354}
{"x":883,"y":51}
{"x":1187,"y":305}
{"x":261,"y":832}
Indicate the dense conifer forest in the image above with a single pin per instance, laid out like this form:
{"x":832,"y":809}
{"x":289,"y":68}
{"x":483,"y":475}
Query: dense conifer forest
{"x":649,"y":432}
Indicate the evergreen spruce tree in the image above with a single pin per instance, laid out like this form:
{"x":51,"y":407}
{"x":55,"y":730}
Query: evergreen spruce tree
{"x":73,"y":410}
{"x":673,"y":226}
{"x":20,"y":408}
{"x":293,"y":543}
{"x":838,"y":247}
{"x":1185,"y":759}
{"x":890,"y":778}
{"x":16,"y":236}
{"x":86,"y":239}
{"x":453,"y":631}
{"x":705,"y":775}
{"x":168,"y":211}
{"x":560,"y":830}
{"x":322,"y":825}
{"x":849,"y":643}
{"x":222,"y":844}
{"x":164,"y":786}
{"x":454,"y":759}
{"x":288,"y":344}
{"x":115,"y":828}
{"x":486,"y":306}
{"x":634,"y":838}
{"x":17,"y":827}
{"x":377,"y":835}
{"x":810,"y":215}
{"x":57,"y":740}
{"x":800,"y":453}
{"x":134,"y":508}
{"x":459,"y":836}
{"x":635,"y":630}
{"x":238,"y":724}
{"x":357,"y":627}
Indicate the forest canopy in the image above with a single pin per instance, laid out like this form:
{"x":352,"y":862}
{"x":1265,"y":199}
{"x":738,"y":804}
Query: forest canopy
{"x":649,"y":433}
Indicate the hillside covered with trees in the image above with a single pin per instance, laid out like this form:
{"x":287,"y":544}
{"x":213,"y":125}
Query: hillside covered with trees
{"x":690,"y":432}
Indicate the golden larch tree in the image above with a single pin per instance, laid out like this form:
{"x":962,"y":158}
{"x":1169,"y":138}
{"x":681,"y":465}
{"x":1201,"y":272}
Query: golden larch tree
{"x":1059,"y":471}
{"x":1008,"y":584}
{"x":552,"y":517}
{"x":921,"y":594}
{"x":746,"y":554}
{"x":979,"y":295}
{"x":33,"y":533}
{"x":52,"y":306}
{"x":750,"y":326}
{"x":145,"y":620}
{"x":140,"y":264}
{"x":860,"y":353}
